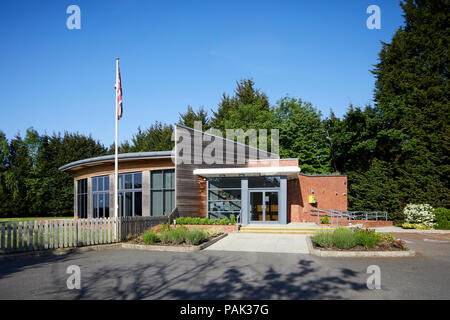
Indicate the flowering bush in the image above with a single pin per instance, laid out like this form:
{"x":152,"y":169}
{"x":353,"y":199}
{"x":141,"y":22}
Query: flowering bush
{"x":419,"y":226}
{"x":419,"y":214}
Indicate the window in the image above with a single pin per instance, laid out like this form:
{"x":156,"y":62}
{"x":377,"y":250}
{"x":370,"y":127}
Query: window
{"x":130,"y":194}
{"x":162,"y":192}
{"x":224,"y":197}
{"x":82,"y":198}
{"x":263,"y":182}
{"x":100,"y":197}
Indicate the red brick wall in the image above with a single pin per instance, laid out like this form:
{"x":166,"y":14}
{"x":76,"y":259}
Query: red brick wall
{"x":330,"y":193}
{"x":365,"y":224}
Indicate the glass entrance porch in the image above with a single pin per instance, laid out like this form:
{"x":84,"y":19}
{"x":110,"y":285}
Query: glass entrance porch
{"x":252,"y":199}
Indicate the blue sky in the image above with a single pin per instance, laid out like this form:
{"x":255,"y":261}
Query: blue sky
{"x":179,"y":53}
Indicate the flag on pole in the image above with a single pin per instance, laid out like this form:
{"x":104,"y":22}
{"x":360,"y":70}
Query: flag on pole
{"x":118,"y":93}
{"x":116,"y":156}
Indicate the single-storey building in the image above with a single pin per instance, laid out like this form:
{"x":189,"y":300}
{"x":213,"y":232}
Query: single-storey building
{"x":200,"y":180}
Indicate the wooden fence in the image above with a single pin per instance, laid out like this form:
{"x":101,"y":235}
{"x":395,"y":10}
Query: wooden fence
{"x":137,"y":225}
{"x":53,"y":234}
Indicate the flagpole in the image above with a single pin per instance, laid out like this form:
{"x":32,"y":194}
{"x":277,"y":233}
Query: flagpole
{"x":116,"y":160}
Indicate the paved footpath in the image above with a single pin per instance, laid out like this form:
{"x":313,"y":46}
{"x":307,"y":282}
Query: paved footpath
{"x":132,"y":274}
{"x":260,"y":242}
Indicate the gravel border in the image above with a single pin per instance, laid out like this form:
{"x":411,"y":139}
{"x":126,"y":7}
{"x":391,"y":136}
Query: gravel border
{"x":173,"y":248}
{"x":357,"y":254}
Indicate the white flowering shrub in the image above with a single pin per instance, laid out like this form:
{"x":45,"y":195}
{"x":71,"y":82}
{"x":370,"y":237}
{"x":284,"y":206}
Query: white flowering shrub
{"x":419,"y":213}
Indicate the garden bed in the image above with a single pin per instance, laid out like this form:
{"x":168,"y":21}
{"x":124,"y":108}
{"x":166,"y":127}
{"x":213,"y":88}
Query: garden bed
{"x":181,"y":239}
{"x":357,"y":243}
{"x":221,"y":228}
{"x":361,"y":248}
{"x":173,"y":247}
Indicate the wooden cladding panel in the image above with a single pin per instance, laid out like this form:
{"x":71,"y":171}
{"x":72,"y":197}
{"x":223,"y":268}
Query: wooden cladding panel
{"x":125,"y":166}
{"x":191,"y":197}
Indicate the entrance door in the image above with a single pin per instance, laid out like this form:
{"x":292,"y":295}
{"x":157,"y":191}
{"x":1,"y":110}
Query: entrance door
{"x":263,"y":206}
{"x":271,"y":205}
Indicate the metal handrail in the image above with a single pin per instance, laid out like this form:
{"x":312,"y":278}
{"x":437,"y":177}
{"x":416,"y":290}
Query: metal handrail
{"x":366,"y":214}
{"x":337,"y":215}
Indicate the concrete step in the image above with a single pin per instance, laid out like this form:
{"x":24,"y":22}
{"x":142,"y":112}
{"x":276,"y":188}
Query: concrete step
{"x":282,"y":230}
{"x":279,"y":231}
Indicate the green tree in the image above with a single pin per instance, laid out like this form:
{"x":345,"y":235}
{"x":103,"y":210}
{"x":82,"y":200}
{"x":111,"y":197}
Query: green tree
{"x":190,"y":116}
{"x":58,"y":150}
{"x":302,"y":135}
{"x":366,"y":148}
{"x":413,"y":68}
{"x":158,"y":137}
{"x":5,"y":195}
{"x":19,"y":166}
{"x":247,"y":101}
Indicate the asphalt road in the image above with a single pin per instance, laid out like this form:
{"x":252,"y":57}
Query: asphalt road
{"x":132,"y":274}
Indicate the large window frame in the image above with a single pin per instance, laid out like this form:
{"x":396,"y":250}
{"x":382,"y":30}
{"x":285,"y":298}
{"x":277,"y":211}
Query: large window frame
{"x":165,"y":190}
{"x":224,"y":197}
{"x":100,"y":196}
{"x":82,"y":198}
{"x":130,"y":194}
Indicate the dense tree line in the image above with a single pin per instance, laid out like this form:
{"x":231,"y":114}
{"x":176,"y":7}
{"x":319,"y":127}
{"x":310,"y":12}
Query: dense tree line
{"x":394,"y":152}
{"x":30,"y":182}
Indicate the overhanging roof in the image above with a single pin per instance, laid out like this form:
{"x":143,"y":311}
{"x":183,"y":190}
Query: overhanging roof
{"x":76,"y":165}
{"x":290,"y":171}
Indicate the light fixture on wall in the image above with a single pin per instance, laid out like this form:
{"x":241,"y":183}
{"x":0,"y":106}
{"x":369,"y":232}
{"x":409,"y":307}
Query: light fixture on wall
{"x":312,"y":191}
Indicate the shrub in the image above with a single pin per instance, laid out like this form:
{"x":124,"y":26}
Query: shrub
{"x":195,"y":236}
{"x":233,"y":219}
{"x":323,"y":238}
{"x":165,"y":227}
{"x":344,"y":238}
{"x":419,"y":213}
{"x":386,"y":237}
{"x":422,"y":226}
{"x":202,"y":221}
{"x":223,"y":221}
{"x":164,"y":237}
{"x":150,"y":238}
{"x":178,"y":235}
{"x":419,"y":226}
{"x":325,"y":220}
{"x":367,"y":238}
{"x":195,"y":220}
{"x":408,"y":225}
{"x":213,"y":232}
{"x":442,"y":218}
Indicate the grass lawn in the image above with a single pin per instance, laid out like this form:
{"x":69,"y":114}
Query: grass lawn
{"x":17,"y":220}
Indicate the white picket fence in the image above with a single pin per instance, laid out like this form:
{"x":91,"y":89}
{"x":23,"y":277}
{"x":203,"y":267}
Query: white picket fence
{"x":65,"y":233}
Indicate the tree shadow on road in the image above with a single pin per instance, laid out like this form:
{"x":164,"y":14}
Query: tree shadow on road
{"x":16,"y":263}
{"x":200,"y":279}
